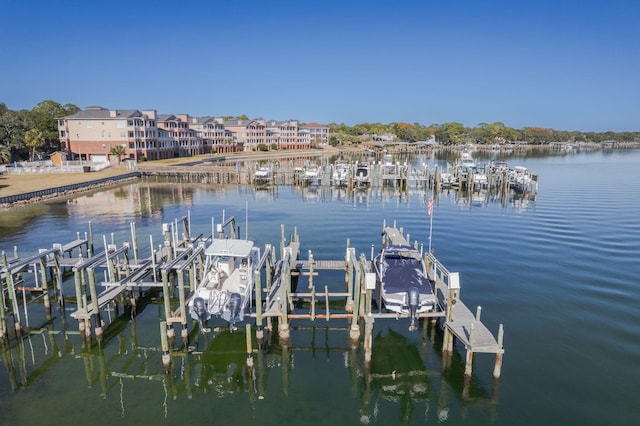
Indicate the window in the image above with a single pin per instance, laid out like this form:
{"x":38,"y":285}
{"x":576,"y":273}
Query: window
{"x":89,"y":124}
{"x":120,"y":124}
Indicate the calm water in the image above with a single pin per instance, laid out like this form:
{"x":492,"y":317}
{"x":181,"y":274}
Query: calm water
{"x":559,"y":271}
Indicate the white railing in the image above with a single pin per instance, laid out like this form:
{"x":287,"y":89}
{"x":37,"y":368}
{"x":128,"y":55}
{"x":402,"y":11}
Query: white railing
{"x":43,"y":167}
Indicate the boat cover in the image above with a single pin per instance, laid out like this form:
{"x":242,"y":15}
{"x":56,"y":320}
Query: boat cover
{"x":400,"y":272}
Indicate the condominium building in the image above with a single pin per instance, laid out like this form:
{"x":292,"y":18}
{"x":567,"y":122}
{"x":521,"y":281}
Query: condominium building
{"x":91,"y":133}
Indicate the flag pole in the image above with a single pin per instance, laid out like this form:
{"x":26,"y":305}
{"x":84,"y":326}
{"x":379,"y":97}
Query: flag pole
{"x":430,"y":213}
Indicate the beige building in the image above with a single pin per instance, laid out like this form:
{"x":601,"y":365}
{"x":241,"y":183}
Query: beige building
{"x":91,"y":134}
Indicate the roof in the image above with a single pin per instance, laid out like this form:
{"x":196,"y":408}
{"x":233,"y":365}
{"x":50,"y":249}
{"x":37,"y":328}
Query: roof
{"x":97,"y":113}
{"x":229,"y":247}
{"x":315,"y":125}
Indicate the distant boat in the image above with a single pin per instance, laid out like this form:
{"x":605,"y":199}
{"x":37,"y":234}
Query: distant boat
{"x":520,"y":178}
{"x":363,"y":171}
{"x":475,"y":172}
{"x":467,"y":162}
{"x":225,"y":291}
{"x":403,"y":285}
{"x":311,"y":174}
{"x":387,"y":167}
{"x":340,"y":175}
{"x":262,"y":175}
{"x":448,"y":180}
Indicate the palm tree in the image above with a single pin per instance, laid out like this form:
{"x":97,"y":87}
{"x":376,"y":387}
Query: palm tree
{"x":118,"y":151}
{"x":34,"y":138}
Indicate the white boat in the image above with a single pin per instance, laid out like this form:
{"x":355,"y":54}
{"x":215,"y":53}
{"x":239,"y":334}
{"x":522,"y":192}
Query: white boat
{"x":363,"y":170}
{"x":448,"y":180}
{"x":403,"y":285}
{"x":520,"y":178}
{"x":225,"y":291}
{"x":340,"y":175}
{"x":262,"y":175}
{"x":311,"y":174}
{"x":467,"y":162}
{"x":387,"y":168}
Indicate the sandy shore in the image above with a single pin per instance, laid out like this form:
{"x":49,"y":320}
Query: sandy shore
{"x":23,"y":183}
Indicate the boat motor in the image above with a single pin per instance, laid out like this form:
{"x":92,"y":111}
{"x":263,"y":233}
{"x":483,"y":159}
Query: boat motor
{"x":235,"y":304}
{"x":413,"y":296}
{"x":201,"y":313}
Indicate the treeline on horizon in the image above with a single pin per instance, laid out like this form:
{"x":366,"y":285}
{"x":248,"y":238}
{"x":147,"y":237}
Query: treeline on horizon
{"x":484,"y":133}
{"x":23,"y":133}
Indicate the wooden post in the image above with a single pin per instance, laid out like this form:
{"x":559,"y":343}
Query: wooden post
{"x":183,"y":309}
{"x":349,"y":279}
{"x":468,"y":363}
{"x":45,"y":285}
{"x":78,"y":285}
{"x":164,"y":341}
{"x":58,"y":279}
{"x":283,"y":326}
{"x":368,"y":338}
{"x":249,"y":348}
{"x":94,"y":302}
{"x":311,"y":262}
{"x":167,"y":301}
{"x":258,"y":290}
{"x":354,"y":332}
{"x":498,"y":364}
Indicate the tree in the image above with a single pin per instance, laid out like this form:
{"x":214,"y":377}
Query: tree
{"x":5,"y":154}
{"x":450,"y":133}
{"x":45,"y":117}
{"x":119,"y":151}
{"x":13,"y":126}
{"x":34,"y":139}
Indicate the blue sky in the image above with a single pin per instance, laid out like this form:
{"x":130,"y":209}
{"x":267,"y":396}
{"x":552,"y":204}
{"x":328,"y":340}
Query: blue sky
{"x":562,"y":64}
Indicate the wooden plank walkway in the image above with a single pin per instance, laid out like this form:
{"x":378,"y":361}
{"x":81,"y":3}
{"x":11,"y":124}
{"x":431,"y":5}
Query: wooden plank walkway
{"x":335,"y":265}
{"x":473,"y":334}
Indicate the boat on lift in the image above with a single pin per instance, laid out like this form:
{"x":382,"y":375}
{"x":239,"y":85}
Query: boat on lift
{"x":363,"y":173}
{"x":340,"y":175}
{"x":403,"y":285}
{"x":229,"y":279}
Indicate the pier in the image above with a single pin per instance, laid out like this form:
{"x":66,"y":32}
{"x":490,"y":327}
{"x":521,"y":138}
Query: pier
{"x":286,"y":290}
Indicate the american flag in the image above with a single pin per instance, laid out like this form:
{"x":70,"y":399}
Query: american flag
{"x":430,"y":206}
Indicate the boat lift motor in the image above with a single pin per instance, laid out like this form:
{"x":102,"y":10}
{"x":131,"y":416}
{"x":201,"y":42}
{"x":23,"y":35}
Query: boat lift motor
{"x":413,"y":295}
{"x":199,"y":311}
{"x":235,"y":304}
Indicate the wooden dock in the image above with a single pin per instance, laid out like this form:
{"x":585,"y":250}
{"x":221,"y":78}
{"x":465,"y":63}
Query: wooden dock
{"x":278,"y":301}
{"x":459,"y":322}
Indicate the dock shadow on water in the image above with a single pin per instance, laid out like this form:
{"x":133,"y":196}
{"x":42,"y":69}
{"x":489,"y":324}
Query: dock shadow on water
{"x":121,"y":378}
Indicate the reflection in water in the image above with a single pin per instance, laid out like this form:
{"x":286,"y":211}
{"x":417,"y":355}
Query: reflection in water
{"x":123,"y":369}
